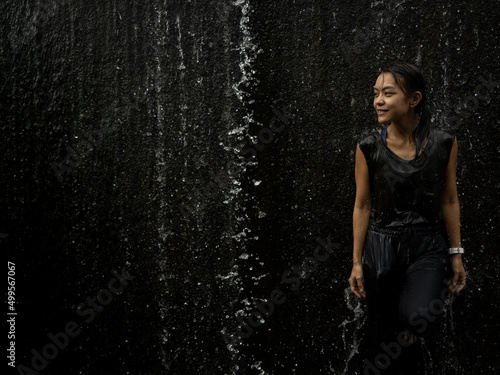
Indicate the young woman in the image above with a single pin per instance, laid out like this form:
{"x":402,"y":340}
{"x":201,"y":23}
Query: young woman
{"x":407,"y":252}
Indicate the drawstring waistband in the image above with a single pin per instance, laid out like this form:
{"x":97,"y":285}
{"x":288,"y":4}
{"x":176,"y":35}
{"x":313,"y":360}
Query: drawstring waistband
{"x":407,"y":232}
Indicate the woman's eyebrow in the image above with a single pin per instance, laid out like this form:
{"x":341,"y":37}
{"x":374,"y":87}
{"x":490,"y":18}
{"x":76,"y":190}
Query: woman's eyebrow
{"x":384,"y":88}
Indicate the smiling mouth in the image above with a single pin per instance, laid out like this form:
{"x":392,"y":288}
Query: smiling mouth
{"x":382,"y":112}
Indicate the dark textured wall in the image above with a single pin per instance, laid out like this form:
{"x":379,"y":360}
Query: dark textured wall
{"x":169,"y":166}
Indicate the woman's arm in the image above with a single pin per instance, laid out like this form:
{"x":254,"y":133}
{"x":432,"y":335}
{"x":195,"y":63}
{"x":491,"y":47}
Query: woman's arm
{"x":360,"y":220}
{"x":451,"y":215}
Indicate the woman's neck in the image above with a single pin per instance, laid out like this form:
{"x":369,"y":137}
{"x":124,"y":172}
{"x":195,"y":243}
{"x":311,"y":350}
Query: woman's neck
{"x":403,"y":130}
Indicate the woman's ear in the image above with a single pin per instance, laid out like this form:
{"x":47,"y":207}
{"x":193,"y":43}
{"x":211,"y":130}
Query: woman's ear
{"x":415,"y":99}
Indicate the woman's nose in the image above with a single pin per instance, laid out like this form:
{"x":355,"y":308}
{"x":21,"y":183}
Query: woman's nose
{"x":378,"y":100}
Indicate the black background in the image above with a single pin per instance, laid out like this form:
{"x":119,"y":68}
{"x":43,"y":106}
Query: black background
{"x":172,"y":94}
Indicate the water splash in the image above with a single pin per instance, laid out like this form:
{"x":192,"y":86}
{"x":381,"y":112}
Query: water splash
{"x":353,"y":304}
{"x":236,"y":132}
{"x":248,"y":51}
{"x":426,"y":355}
{"x":257,"y":366}
{"x":451,"y":362}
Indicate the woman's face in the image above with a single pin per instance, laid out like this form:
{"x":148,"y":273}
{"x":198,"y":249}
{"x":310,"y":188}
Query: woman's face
{"x":390,"y":102}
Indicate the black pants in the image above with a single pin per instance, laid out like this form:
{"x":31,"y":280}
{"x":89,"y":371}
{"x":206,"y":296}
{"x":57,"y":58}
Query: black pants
{"x":405,"y":272}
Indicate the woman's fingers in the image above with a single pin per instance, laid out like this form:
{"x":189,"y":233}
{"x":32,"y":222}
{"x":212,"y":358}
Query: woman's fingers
{"x":361,"y":288}
{"x":453,"y":283}
{"x":457,"y":282}
{"x":352,"y":283}
{"x":461,"y":281}
{"x":410,"y":337}
{"x":356,"y":282}
{"x":357,"y":287}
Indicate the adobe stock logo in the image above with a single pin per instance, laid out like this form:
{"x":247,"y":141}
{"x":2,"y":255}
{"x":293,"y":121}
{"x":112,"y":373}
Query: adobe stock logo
{"x":47,"y":10}
{"x":419,"y":320}
{"x":221,"y":181}
{"x":85,"y":145}
{"x":265,"y":308}
{"x":266,"y":135}
{"x":89,"y":140}
{"x":60,"y":340}
{"x":471,"y":103}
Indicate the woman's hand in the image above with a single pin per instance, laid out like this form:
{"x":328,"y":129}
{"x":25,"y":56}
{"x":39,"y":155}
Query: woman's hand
{"x":356,"y":281}
{"x":457,"y":282}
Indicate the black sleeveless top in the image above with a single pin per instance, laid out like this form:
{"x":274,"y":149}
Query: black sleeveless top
{"x":407,"y":192}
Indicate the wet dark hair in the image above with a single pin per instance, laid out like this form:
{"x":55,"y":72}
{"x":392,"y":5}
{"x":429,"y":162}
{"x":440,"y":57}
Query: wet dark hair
{"x":410,"y":79}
